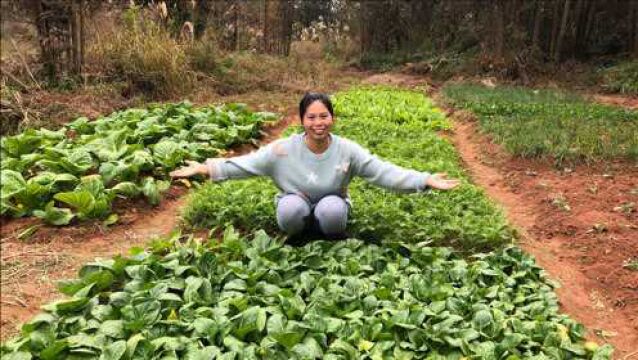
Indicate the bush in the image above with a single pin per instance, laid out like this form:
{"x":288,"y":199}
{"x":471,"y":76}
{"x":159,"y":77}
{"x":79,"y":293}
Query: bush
{"x":622,"y":78}
{"x":204,"y":55}
{"x":144,"y":54}
{"x":240,"y":72}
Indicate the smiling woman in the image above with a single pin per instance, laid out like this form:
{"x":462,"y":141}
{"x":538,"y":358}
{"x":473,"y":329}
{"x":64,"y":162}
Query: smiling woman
{"x":313,"y":170}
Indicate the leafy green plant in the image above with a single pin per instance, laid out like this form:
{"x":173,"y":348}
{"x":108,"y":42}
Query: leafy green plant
{"x":86,"y":164}
{"x":631,"y":264}
{"x":622,"y":78}
{"x":256,"y":298}
{"x":544,"y":123}
{"x":398,"y":126}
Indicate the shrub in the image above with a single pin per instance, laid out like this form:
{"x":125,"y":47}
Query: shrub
{"x":144,"y":54}
{"x":622,"y":78}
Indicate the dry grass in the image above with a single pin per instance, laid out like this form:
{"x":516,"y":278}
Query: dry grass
{"x":144,"y":54}
{"x":132,"y":59}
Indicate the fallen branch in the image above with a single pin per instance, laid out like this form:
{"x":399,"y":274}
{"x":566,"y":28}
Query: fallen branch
{"x":26,"y":66}
{"x":15,"y":79}
{"x":18,"y":301}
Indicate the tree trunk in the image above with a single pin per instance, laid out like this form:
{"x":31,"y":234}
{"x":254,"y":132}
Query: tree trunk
{"x":635,"y":29}
{"x":202,"y":12}
{"x":632,"y":17}
{"x":555,"y":27}
{"x":235,"y":43}
{"x":75,"y":37}
{"x":561,"y":34}
{"x":262,"y":25}
{"x":576,"y":28}
{"x":268,"y":26}
{"x":286,"y":27}
{"x":44,"y":39}
{"x":274,"y":18}
{"x":499,"y":30}
{"x":537,"y":23}
{"x":590,"y":21}
{"x":82,"y":36}
{"x":364,"y":32}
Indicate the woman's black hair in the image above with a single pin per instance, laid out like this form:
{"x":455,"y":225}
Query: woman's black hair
{"x":311,"y":97}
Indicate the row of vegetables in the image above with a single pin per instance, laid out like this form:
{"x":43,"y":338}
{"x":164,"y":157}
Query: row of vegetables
{"x":78,"y":170}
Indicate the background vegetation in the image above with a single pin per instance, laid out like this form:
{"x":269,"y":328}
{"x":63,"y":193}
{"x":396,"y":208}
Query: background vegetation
{"x":133,"y":51}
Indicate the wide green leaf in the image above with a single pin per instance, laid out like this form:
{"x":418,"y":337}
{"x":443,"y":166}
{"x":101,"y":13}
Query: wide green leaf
{"x":83,"y":201}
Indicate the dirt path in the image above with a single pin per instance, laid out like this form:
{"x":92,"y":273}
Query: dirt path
{"x":595,"y":288}
{"x":31,"y":267}
{"x":627,"y":102}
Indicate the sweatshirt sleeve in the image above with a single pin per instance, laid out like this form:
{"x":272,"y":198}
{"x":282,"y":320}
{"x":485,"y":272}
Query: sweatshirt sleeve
{"x":386,"y":174}
{"x":257,"y":163}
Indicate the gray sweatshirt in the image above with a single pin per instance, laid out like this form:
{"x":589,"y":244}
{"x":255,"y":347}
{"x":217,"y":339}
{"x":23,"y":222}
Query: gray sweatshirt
{"x":296,"y":170}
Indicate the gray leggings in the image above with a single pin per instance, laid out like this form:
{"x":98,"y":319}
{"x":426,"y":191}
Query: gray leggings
{"x":330,"y":214}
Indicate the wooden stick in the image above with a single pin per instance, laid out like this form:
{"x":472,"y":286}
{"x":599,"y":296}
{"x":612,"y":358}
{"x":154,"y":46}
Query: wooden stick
{"x":14,"y":79}
{"x":18,"y":301}
{"x":29,"y":253}
{"x":24,"y":63}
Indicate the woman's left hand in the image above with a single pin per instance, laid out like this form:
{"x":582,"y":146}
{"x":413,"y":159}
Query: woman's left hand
{"x":439,"y":181}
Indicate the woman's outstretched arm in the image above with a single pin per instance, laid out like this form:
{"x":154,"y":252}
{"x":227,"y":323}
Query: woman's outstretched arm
{"x":257,"y":163}
{"x":390,"y":176}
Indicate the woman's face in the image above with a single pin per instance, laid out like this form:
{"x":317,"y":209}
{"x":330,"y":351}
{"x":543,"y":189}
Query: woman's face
{"x":317,"y":121}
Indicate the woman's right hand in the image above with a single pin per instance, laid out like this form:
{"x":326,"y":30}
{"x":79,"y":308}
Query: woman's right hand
{"x":193,"y":168}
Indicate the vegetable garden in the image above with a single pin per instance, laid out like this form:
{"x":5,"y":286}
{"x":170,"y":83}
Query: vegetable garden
{"x":431,"y":276}
{"x":86,"y":164}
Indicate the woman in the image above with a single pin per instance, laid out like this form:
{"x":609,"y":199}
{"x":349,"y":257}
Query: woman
{"x":312,"y":171}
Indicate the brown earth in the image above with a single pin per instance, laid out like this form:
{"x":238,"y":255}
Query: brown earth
{"x":32,"y":265}
{"x":616,"y":100}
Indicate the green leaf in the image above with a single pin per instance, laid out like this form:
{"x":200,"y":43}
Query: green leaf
{"x":141,"y":159}
{"x":12,"y":183}
{"x":168,"y":154}
{"x":28,"y":232}
{"x":292,"y":305}
{"x":126,"y":189}
{"x":206,"y":353}
{"x":151,"y":191}
{"x":604,"y":352}
{"x":65,"y":307}
{"x":250,"y":320}
{"x":54,"y":351}
{"x":79,"y":162}
{"x":54,"y":216}
{"x":39,"y":321}
{"x":309,"y":349}
{"x":113,"y":328}
{"x":341,"y":347}
{"x":289,"y":339}
{"x":114,"y":351}
{"x":18,"y":355}
{"x":24,"y":143}
{"x":111,"y":219}
{"x":482,"y":319}
{"x":83,"y":201}
{"x":93,"y":184}
{"x":141,"y":313}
